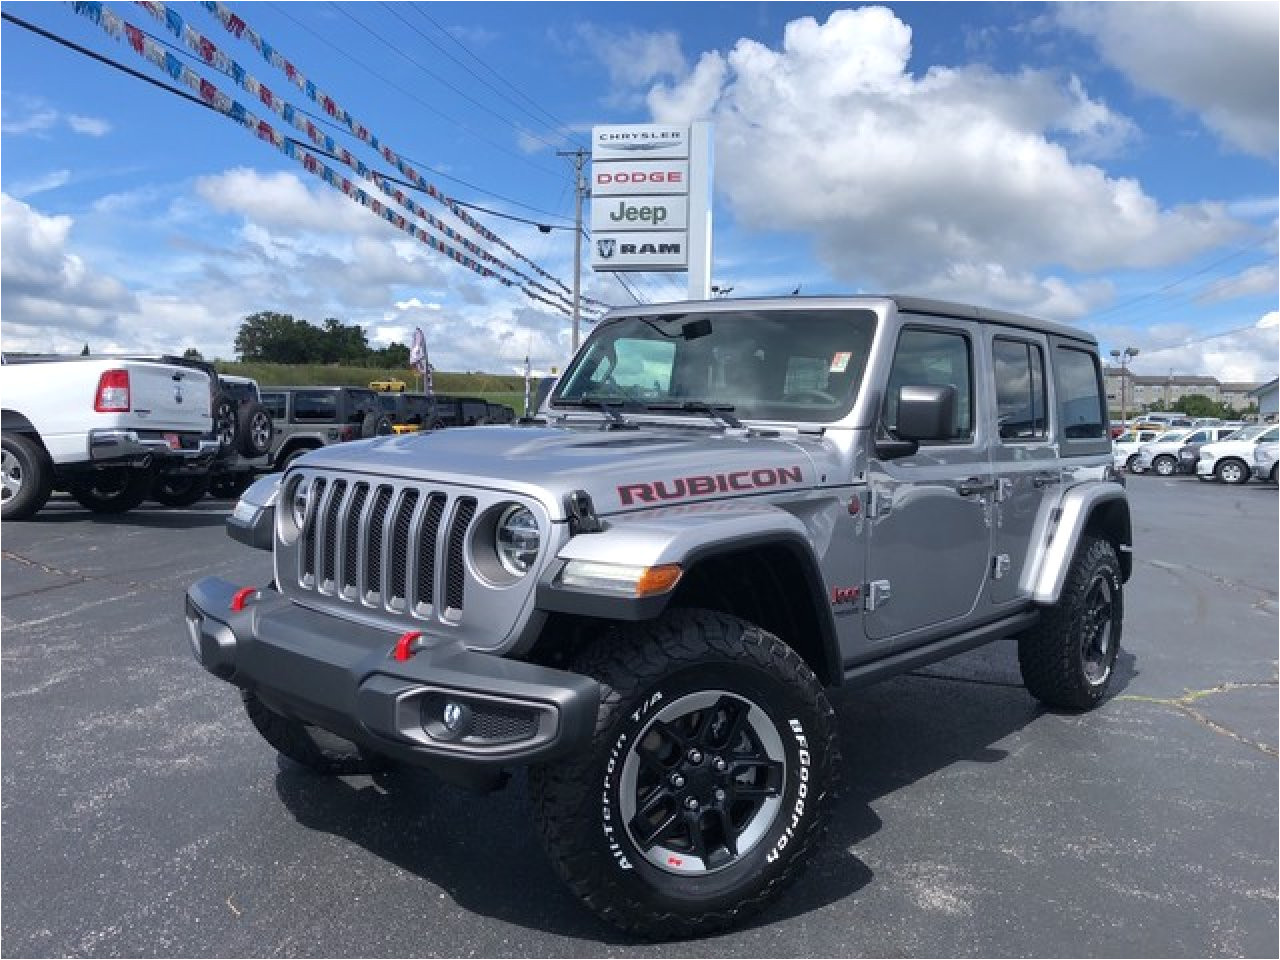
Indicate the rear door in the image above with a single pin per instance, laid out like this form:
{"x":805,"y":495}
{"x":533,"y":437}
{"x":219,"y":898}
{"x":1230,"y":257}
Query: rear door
{"x":167,"y":397}
{"x":1024,"y":454}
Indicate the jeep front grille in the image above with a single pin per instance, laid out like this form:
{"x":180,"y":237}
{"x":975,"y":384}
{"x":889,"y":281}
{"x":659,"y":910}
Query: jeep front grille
{"x":388,"y":547}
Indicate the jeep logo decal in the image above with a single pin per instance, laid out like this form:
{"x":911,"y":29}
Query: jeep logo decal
{"x":682,"y":488}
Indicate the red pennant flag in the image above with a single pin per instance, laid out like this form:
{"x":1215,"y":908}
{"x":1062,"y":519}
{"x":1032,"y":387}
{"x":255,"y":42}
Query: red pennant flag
{"x":135,"y":37}
{"x":207,"y":50}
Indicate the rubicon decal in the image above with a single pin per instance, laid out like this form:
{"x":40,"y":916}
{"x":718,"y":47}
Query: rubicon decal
{"x":682,"y":488}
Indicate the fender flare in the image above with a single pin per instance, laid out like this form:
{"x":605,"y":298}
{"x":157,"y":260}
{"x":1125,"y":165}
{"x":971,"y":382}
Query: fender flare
{"x":1101,"y":508}
{"x":652,"y":538}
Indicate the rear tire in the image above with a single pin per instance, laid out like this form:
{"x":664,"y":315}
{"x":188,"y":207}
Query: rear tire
{"x":27,"y":477}
{"x":180,"y":490}
{"x":1165,"y":466}
{"x":112,"y":490}
{"x":1132,"y":463}
{"x":703,"y":790}
{"x":1068,"y":658}
{"x":229,"y":486}
{"x":309,"y":746}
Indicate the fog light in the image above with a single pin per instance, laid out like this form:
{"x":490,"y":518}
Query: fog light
{"x":457,"y":718}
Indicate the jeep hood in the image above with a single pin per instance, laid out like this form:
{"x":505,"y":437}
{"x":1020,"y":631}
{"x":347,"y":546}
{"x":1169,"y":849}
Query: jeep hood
{"x":620,"y":469}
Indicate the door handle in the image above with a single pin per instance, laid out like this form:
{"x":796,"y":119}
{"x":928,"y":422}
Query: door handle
{"x":967,"y":488}
{"x":1044,"y":479}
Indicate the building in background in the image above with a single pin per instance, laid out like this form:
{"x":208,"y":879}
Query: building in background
{"x":1147,"y":392}
{"x":1265,"y":397}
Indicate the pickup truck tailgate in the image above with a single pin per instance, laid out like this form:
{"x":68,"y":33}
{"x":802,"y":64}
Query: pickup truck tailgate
{"x":172,"y":398}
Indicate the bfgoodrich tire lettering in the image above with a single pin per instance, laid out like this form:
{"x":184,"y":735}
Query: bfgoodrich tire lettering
{"x":778,"y":760}
{"x":1068,"y":658}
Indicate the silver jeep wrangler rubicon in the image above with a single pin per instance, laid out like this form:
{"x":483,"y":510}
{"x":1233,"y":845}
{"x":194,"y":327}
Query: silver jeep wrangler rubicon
{"x":722,"y":509}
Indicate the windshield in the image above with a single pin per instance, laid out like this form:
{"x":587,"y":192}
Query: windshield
{"x":791,"y":365}
{"x":1170,"y":436}
{"x":1248,"y":433}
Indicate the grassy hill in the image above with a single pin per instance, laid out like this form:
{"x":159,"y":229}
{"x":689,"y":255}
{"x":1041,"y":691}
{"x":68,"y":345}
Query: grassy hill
{"x":494,"y":387}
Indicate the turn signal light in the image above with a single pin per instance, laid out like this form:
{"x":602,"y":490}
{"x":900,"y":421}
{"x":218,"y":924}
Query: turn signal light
{"x":657,"y":579}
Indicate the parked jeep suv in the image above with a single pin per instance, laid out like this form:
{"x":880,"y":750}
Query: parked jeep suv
{"x":728,"y":507}
{"x":308,"y":418}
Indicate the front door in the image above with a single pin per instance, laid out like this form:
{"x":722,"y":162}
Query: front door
{"x":929,"y":534}
{"x":1024,"y":456}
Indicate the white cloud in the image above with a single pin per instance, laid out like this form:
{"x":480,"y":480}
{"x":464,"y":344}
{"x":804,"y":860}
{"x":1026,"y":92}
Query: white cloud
{"x":42,"y":184}
{"x":1242,"y":356}
{"x":930,"y":182}
{"x":1217,"y":59}
{"x":1260,"y":278}
{"x":88,"y":126}
{"x":282,"y":201}
{"x":1269,"y":321}
{"x":635,"y":58}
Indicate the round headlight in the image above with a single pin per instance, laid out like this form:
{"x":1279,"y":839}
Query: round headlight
{"x":517,"y":540}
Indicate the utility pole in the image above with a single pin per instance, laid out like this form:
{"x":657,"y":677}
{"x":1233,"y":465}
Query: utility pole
{"x":579,"y":191}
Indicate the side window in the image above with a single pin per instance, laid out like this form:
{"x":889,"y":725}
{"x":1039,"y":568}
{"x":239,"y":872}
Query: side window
{"x":315,"y":406}
{"x":1020,"y":393}
{"x":1080,"y":407}
{"x":274,"y":404}
{"x":933,"y":358}
{"x":1200,"y":436}
{"x":1271,"y":436}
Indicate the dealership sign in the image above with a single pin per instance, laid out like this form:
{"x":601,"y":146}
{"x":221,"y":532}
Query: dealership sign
{"x":639,"y":251}
{"x":645,"y":201}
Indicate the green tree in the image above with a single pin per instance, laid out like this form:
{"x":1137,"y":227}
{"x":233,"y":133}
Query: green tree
{"x":85,"y":351}
{"x":393,"y":356}
{"x":191,"y":353}
{"x":270,"y":337}
{"x":340,"y":343}
{"x":1198,"y":405}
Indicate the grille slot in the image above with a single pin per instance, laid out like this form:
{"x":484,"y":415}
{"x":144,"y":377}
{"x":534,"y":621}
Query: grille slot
{"x":455,"y":574}
{"x":309,"y":534}
{"x":400,"y":529}
{"x":426,"y":587}
{"x":332,"y":513}
{"x":351,"y":541}
{"x":373,"y":552}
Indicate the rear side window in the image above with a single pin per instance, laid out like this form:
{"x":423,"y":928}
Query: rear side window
{"x":315,"y":406}
{"x":1080,"y":405}
{"x":1020,"y":393}
{"x":933,"y":358}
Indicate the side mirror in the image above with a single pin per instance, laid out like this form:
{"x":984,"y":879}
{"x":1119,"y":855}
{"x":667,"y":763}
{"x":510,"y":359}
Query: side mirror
{"x":924,"y":413}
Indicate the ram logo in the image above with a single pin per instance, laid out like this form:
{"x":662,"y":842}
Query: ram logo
{"x":606,"y":247}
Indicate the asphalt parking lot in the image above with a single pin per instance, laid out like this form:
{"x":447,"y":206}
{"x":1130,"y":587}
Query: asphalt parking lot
{"x":143,"y":816}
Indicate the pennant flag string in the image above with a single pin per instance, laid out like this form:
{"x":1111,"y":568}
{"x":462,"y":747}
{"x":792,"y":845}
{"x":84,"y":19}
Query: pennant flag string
{"x":208,"y":52}
{"x":209,"y":94}
{"x":237,"y":27}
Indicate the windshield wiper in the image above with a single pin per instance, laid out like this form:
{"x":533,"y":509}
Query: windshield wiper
{"x":721,"y":412}
{"x":603,"y":405}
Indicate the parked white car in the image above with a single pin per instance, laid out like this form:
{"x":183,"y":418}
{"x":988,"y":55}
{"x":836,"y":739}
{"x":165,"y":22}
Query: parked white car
{"x":1125,"y":446}
{"x":1265,"y":456}
{"x":1232,"y":461}
{"x":1167,"y":443}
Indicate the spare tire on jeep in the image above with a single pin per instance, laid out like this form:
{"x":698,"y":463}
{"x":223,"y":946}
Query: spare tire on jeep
{"x":375,"y":425}
{"x":256,"y":430}
{"x":226,"y":425}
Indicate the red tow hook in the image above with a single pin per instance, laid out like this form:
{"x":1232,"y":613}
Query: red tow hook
{"x":242,"y":598}
{"x":404,"y":646}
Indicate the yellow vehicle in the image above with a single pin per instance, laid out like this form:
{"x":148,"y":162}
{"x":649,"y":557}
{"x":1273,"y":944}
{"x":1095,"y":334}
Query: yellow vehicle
{"x":388,"y":386}
{"x":405,"y":428}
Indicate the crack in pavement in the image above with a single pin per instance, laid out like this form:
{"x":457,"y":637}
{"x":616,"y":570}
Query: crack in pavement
{"x":1183,"y":705}
{"x":76,"y":577}
{"x":1269,"y":595}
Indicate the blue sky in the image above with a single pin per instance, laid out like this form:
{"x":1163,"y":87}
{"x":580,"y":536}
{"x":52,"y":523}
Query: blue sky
{"x":1108,"y":165}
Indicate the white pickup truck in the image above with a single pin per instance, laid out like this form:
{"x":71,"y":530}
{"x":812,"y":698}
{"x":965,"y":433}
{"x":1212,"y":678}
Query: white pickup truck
{"x":101,"y":428}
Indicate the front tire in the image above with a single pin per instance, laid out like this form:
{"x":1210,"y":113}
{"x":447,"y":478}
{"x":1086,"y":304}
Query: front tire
{"x":1068,"y":658}
{"x":717,"y":753}
{"x":1132,"y":463}
{"x":309,"y":746}
{"x":1232,"y":471}
{"x":1165,"y":466}
{"x":112,"y":490}
{"x":27,"y":477}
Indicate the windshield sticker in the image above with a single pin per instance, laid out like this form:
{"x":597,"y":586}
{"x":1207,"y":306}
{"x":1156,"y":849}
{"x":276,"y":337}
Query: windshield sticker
{"x":840,"y":362}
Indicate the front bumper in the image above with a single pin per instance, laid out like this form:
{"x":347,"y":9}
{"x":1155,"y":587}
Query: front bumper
{"x":342,"y":676}
{"x":144,"y":447}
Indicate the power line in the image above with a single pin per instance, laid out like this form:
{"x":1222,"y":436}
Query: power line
{"x":1198,"y":340}
{"x":557,"y":123}
{"x":412,"y":96}
{"x":392,"y":9}
{"x":433,"y":75}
